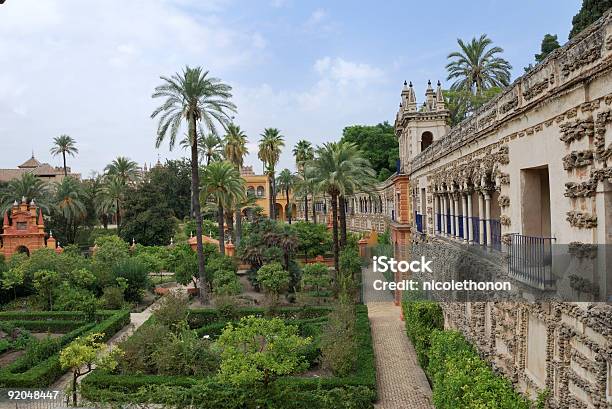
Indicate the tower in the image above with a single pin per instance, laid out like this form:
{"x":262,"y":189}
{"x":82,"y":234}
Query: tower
{"x":417,"y":129}
{"x":25,"y":231}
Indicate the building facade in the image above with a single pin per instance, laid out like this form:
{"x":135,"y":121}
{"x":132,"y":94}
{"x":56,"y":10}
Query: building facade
{"x":503,"y":192}
{"x":258,"y":187}
{"x":42,"y":171}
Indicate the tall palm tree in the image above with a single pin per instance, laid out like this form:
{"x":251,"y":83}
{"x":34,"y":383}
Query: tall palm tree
{"x":476,"y":68}
{"x":235,"y":151}
{"x":63,"y":145}
{"x":338,"y":169}
{"x":124,"y":168}
{"x":210,"y":146}
{"x":303,"y":153}
{"x":222,"y":184}
{"x":111,"y":197}
{"x":286,"y":182}
{"x":69,"y":196}
{"x":270,"y":146}
{"x":27,"y":187}
{"x":195,"y":97}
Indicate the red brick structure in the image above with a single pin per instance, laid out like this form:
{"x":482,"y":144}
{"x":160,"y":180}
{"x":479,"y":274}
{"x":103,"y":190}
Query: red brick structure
{"x":23,"y":230}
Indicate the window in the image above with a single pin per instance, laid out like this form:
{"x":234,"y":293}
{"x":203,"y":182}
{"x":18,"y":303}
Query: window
{"x":22,"y":225}
{"x":535,"y":203}
{"x":426,"y":140}
{"x":260,"y":191}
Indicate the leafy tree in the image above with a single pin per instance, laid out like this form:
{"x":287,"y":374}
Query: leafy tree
{"x":259,"y":349}
{"x":45,"y":282}
{"x":173,"y":181}
{"x":225,"y":282}
{"x":136,"y":275}
{"x":476,"y":68}
{"x":286,"y":182}
{"x":549,"y":44}
{"x":123,"y":168}
{"x":82,"y":278}
{"x":274,"y":280}
{"x":462,"y":103}
{"x":378,"y":144}
{"x":63,"y":145}
{"x":196,"y":97}
{"x":11,"y":279}
{"x":147,"y":218}
{"x":590,"y":11}
{"x":222,"y":184}
{"x":338,"y":341}
{"x":235,"y":150}
{"x":108,"y":251}
{"x":87,"y":351}
{"x":210,"y":146}
{"x":69,"y":211}
{"x":313,"y":239}
{"x":270,"y":146}
{"x":303,"y":153}
{"x":257,"y":246}
{"x":111,"y":197}
{"x":315,"y":276}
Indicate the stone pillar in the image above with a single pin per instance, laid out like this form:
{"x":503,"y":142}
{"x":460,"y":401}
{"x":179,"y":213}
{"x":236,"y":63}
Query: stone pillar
{"x":464,"y":214}
{"x":451,"y":205}
{"x":481,"y":217}
{"x":436,"y":208}
{"x":487,"y":198}
{"x":443,"y":210}
{"x":456,"y":213}
{"x":469,"y":215}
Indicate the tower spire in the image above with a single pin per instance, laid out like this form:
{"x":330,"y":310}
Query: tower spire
{"x":440,"y":98}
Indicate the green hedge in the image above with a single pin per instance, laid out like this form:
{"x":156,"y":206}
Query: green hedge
{"x":355,"y":391}
{"x":49,"y":325}
{"x":421,"y":318}
{"x":40,"y":367}
{"x":50,"y":315}
{"x":200,"y":317}
{"x":461,"y":379}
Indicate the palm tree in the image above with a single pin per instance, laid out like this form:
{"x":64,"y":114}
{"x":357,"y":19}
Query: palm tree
{"x":124,"y":168}
{"x":210,"y":146}
{"x":476,"y":68}
{"x":69,"y":195}
{"x":64,"y":144}
{"x":286,"y":183}
{"x":303,"y":153}
{"x":27,"y":187}
{"x":112,"y":195}
{"x":222,"y":184}
{"x":195,"y":97}
{"x":270,"y":146}
{"x":338,"y":169}
{"x":235,"y":151}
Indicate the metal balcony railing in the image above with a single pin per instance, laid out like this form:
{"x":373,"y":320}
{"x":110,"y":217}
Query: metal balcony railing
{"x":495,"y":234}
{"x":530,"y":260}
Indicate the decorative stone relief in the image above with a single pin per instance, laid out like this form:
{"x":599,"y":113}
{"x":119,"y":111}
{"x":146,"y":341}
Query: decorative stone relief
{"x":603,"y":118}
{"x":583,"y":54}
{"x":504,"y":201}
{"x":504,"y":178}
{"x":538,"y":87}
{"x":582,"y":250}
{"x":506,"y":239}
{"x":487,"y":118}
{"x":504,"y":220}
{"x":577,"y":129}
{"x":600,"y":175}
{"x":507,"y":106}
{"x":581,"y":220}
{"x":584,"y":189}
{"x":577,"y":159}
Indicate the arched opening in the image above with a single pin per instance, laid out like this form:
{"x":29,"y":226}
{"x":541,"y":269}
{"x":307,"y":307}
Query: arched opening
{"x":260,"y":191}
{"x":278,"y":211}
{"x":251,"y":191}
{"x":426,"y":140}
{"x":23,"y":249}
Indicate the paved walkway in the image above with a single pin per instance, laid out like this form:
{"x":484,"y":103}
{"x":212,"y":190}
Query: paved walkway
{"x":400,"y":380}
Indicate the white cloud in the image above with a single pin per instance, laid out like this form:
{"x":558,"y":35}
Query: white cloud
{"x":316,"y":17}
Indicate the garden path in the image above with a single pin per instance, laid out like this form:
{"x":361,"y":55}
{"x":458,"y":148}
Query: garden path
{"x":401,"y":382}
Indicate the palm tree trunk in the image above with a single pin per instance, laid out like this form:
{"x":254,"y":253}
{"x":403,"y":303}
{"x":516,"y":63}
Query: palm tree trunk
{"x":288,"y":206}
{"x":118,"y":215}
{"x":314,"y":210}
{"x":274,"y":193}
{"x":229,"y":221}
{"x":342,"y":205}
{"x":306,"y":207}
{"x":65,"y":169}
{"x":195,"y":202}
{"x":238,"y":231}
{"x":220,"y":220}
{"x":336,"y":248}
{"x":270,"y":198}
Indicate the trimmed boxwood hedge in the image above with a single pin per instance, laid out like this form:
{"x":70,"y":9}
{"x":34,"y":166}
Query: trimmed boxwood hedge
{"x":39,"y":366}
{"x":200,"y":317}
{"x":459,"y":377}
{"x":355,"y":391}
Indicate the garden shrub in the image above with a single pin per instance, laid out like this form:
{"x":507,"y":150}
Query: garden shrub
{"x":225,"y":282}
{"x":112,"y":298}
{"x":461,"y":379}
{"x":338,"y":343}
{"x":138,"y":349}
{"x":350,"y":262}
{"x":173,"y":309}
{"x":219,"y":263}
{"x":136,"y":275}
{"x":110,"y":250}
{"x":314,"y":239}
{"x":421,"y":319}
{"x":316,"y":276}
{"x":274,"y":280}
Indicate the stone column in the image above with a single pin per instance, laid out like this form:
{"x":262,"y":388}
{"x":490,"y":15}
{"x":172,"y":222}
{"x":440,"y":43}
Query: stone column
{"x":443,"y":220}
{"x":481,"y":217}
{"x":451,"y":211}
{"x":435,"y":208}
{"x":456,"y":213}
{"x":469,"y":215}
{"x":487,"y":198}
{"x":464,"y":216}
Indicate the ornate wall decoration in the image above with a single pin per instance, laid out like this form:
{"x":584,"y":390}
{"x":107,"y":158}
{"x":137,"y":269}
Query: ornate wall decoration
{"x":511,"y":104}
{"x":600,"y":175}
{"x":504,"y":201}
{"x":538,"y":87}
{"x":584,"y":189}
{"x":505,"y":220}
{"x":577,"y":129}
{"x":582,"y":250}
{"x":487,"y":118}
{"x":577,"y":159}
{"x":581,"y":220}
{"x":584,"y":53}
{"x":603,"y":118}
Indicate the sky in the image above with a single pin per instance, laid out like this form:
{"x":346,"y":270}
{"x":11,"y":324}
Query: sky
{"x":309,"y":68}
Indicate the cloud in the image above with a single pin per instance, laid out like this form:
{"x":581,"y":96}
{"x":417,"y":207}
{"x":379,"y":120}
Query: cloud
{"x":317,"y":16}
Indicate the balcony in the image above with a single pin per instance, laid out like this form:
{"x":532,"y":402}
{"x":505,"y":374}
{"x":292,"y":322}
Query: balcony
{"x":530,"y":260}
